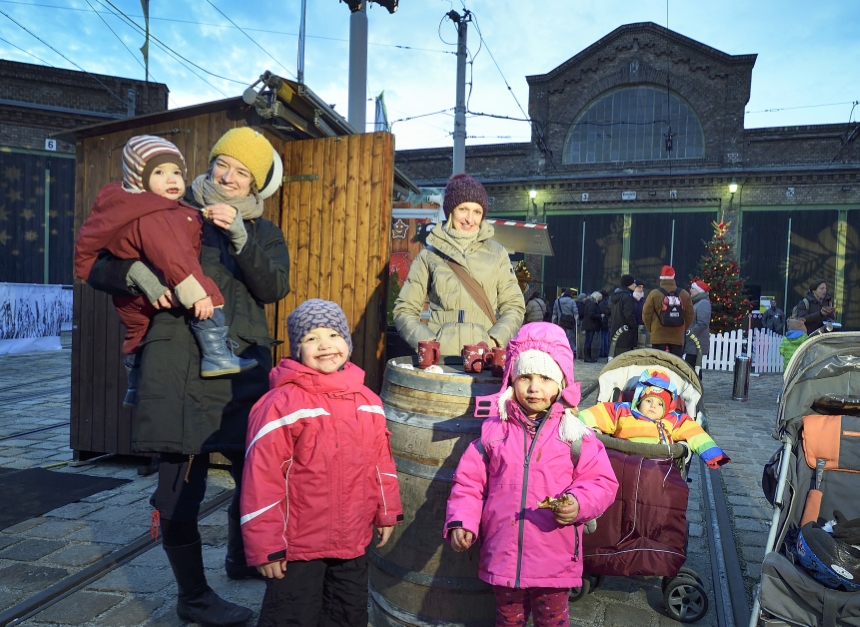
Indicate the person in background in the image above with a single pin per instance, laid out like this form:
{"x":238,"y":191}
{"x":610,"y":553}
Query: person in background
{"x":701,"y":327}
{"x":605,"y":322}
{"x":462,"y":245}
{"x":591,"y":325}
{"x":794,"y":337}
{"x":566,"y":315}
{"x":664,"y":337}
{"x":623,"y":308}
{"x":535,"y":308}
{"x":774,"y":318}
{"x":816,"y":307}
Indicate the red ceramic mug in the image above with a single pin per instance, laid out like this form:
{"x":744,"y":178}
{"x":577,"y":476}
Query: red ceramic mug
{"x":429,"y":353}
{"x":473,"y":356}
{"x":496,"y":360}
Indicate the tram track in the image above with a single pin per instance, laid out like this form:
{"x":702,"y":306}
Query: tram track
{"x":39,"y":382}
{"x":41,"y":601}
{"x":22,"y":434}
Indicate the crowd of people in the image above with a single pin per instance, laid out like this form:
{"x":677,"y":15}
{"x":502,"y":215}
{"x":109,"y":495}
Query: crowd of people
{"x":191,"y":270}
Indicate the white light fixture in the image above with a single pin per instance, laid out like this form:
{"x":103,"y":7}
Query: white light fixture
{"x":533,"y":194}
{"x":733,"y":186}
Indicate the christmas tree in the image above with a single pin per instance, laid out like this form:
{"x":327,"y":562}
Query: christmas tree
{"x":729,"y":306}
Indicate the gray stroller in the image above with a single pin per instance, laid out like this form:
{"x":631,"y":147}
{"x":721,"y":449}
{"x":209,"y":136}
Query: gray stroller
{"x":808,"y":577}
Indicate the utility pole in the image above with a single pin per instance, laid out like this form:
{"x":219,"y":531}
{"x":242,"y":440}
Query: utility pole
{"x":357,"y":113}
{"x":300,"y":62}
{"x":460,"y":108}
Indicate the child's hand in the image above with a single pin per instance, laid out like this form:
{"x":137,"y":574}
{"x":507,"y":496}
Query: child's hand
{"x":221,"y":215}
{"x":273,"y":570}
{"x":566,"y":514}
{"x":383,"y":533}
{"x":461,"y":539}
{"x":203,"y":308}
{"x":166,"y":301}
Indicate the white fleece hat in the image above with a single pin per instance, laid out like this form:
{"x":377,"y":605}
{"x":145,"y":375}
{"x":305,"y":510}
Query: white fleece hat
{"x":538,"y":362}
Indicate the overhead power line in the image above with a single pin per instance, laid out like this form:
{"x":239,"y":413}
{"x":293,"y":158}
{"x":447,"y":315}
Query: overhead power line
{"x":109,"y":90}
{"x":815,"y":106}
{"x":249,"y":37}
{"x":25,"y":52}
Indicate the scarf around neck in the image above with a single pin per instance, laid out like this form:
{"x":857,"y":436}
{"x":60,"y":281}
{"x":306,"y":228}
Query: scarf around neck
{"x":207,"y":192}
{"x":460,"y":239}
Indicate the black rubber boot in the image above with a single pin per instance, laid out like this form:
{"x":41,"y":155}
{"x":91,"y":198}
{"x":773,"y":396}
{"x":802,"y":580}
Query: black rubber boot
{"x":235,"y":563}
{"x":197,"y":602}
{"x":132,"y":370}
{"x":216,"y":353}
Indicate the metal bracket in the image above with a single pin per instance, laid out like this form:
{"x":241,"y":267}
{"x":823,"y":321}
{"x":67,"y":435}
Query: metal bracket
{"x":301,"y":177}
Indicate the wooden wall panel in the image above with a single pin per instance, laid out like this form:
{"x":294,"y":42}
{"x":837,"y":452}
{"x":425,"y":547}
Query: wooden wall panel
{"x":336,"y":213}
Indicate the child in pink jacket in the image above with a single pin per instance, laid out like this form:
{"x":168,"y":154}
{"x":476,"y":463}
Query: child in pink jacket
{"x":532,"y":446}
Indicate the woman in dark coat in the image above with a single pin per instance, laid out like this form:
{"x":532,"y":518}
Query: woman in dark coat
{"x":817,"y":307}
{"x":180,"y":415}
{"x":591,"y":324}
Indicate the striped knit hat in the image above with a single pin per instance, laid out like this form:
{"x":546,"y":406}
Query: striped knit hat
{"x":142,"y":154}
{"x":315,"y":313}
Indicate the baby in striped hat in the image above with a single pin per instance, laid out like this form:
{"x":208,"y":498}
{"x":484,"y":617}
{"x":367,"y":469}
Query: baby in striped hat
{"x":143,"y":218}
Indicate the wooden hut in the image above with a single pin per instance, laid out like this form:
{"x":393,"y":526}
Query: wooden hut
{"x":334,"y":208}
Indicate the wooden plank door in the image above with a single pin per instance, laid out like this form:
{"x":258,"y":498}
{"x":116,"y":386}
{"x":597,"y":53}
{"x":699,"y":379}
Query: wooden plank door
{"x":336,"y":216}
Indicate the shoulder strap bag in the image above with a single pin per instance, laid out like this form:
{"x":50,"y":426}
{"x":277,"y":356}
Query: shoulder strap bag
{"x":475,"y":290}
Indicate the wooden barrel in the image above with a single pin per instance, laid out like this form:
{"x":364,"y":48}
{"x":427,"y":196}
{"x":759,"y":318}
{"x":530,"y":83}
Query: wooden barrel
{"x":416,"y":578}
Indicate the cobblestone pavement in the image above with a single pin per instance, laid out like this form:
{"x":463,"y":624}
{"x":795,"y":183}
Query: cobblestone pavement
{"x":39,"y":552}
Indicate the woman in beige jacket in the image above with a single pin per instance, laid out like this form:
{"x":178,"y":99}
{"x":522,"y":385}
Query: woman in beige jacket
{"x":464,"y":239}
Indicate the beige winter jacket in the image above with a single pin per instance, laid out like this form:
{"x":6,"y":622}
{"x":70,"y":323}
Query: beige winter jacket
{"x":488,"y":263}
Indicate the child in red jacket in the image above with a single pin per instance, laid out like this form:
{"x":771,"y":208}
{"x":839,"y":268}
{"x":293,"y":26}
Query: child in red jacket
{"x":144,"y":218}
{"x":319,"y":475}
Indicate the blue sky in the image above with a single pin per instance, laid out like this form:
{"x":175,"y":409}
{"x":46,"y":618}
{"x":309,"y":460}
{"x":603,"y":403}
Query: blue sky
{"x":807,"y":72}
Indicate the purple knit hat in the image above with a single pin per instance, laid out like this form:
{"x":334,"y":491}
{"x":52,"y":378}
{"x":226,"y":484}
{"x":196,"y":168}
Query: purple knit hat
{"x":463,"y":188}
{"x":315,"y":313}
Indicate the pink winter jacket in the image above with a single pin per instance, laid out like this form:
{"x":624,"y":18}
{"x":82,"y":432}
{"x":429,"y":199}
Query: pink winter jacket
{"x":502,"y":476}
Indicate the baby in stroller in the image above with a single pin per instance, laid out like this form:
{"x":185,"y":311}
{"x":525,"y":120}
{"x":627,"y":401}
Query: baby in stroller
{"x":651,"y":417}
{"x":649,"y":439}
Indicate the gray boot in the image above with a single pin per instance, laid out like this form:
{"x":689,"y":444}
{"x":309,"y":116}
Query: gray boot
{"x":132,"y":370}
{"x":216,"y":353}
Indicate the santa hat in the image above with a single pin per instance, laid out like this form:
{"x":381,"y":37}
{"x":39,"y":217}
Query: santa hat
{"x":668,"y":272}
{"x":657,"y":392}
{"x":701,"y":286}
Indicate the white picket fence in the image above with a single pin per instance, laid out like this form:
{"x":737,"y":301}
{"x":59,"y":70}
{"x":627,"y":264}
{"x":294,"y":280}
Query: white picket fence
{"x":725,"y":347}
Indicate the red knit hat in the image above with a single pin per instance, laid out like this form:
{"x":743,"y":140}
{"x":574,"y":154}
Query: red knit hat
{"x":668,"y":272}
{"x":699,"y":283}
{"x":463,"y":188}
{"x":663,"y":395}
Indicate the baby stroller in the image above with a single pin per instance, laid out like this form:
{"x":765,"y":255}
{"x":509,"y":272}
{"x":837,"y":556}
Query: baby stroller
{"x":807,"y":576}
{"x":644,"y":532}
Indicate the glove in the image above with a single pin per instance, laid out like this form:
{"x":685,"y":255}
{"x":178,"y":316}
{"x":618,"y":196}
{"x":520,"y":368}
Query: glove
{"x":846,"y":530}
{"x":237,"y":233}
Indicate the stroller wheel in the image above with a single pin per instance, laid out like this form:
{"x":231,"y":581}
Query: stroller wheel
{"x":684,"y":571}
{"x":686,"y":600}
{"x":596,"y":582}
{"x":577,"y":594}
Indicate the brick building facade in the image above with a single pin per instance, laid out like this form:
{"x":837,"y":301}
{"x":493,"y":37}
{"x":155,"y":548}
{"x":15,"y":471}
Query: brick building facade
{"x":37,"y":180}
{"x":617,"y":200}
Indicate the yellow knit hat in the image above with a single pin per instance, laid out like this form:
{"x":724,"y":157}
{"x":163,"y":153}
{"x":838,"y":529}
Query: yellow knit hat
{"x":248,"y":147}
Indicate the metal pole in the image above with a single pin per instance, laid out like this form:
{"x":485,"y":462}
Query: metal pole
{"x":357,"y":113}
{"x":787,"y":264}
{"x":47,"y":257}
{"x":672,"y":245}
{"x":582,"y":259}
{"x":300,"y":62}
{"x":460,"y":109}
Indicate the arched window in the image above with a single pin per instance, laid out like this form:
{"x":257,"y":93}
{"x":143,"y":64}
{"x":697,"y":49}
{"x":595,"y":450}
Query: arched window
{"x":631,"y":124}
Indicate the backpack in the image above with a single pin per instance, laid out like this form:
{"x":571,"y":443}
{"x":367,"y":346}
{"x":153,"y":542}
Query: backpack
{"x":794,"y":311}
{"x":672,"y":309}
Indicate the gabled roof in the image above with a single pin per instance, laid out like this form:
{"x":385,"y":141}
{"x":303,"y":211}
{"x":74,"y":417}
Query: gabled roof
{"x":646,"y":28}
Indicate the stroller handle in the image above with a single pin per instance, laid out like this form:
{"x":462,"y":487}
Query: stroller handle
{"x":658,"y":451}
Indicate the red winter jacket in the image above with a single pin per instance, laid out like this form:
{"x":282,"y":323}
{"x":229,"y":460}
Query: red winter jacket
{"x":319,"y":473}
